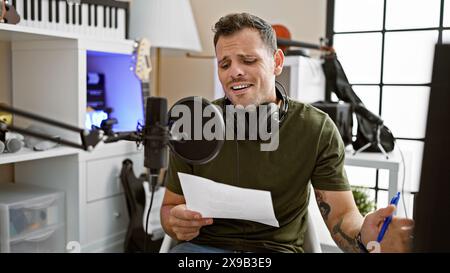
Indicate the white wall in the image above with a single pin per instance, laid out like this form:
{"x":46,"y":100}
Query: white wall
{"x":182,"y":76}
{"x":6,"y":171}
{"x":5,"y":72}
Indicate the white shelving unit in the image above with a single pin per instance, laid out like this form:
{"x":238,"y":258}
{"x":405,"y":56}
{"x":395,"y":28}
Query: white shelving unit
{"x":49,"y":71}
{"x":303,"y":78}
{"x":26,"y":154}
{"x":19,"y":32}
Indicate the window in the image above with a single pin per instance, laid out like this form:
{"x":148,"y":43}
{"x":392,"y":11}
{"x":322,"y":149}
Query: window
{"x":386,"y":48}
{"x":412,"y":14}
{"x":447,"y":13}
{"x":359,"y":66}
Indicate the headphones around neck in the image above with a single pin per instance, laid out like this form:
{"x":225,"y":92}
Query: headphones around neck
{"x":282,"y":110}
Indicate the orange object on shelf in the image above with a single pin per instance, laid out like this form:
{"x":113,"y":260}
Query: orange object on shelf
{"x":283,"y":33}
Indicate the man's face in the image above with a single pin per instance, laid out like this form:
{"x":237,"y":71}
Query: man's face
{"x":247,"y":68}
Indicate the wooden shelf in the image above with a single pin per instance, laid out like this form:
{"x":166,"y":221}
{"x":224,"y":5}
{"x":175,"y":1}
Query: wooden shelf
{"x":26,"y":154}
{"x":48,"y":70}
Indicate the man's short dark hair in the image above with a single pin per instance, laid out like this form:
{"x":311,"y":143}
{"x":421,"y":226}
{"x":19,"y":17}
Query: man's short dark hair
{"x":232,"y":23}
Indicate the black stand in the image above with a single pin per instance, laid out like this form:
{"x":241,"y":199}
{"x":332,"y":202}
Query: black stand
{"x":89,"y":139}
{"x":375,"y":142}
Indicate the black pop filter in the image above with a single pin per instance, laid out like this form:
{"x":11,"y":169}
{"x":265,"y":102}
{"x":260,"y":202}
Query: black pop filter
{"x":191,"y":122}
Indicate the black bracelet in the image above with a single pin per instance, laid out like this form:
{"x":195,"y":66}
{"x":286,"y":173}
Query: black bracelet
{"x":361,"y":245}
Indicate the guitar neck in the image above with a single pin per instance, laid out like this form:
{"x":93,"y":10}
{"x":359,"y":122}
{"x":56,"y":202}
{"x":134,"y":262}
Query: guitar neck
{"x":145,"y":87}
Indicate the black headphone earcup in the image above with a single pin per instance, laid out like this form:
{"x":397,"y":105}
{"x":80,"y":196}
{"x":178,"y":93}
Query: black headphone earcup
{"x":273,"y":116}
{"x":266,"y":114}
{"x":281,"y":94}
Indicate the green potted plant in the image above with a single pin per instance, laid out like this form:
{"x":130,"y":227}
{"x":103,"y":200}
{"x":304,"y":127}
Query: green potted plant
{"x":362,"y":199}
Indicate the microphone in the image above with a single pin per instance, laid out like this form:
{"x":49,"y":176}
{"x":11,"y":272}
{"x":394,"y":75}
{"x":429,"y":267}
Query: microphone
{"x":11,"y":142}
{"x":156,"y":135}
{"x":160,"y":132}
{"x":191,"y":144}
{"x":156,"y":139}
{"x":13,"y":145}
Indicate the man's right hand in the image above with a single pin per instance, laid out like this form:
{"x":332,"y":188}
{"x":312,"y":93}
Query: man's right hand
{"x":185,"y":223}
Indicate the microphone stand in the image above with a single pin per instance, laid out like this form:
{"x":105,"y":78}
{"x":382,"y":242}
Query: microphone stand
{"x":89,"y":139}
{"x":155,"y":135}
{"x":376,"y":142}
{"x":360,"y":109}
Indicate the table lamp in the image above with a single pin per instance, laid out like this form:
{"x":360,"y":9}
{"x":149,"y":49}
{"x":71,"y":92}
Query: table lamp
{"x":167,"y":24}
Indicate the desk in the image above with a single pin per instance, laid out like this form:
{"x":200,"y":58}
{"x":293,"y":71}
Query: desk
{"x":378,"y":161}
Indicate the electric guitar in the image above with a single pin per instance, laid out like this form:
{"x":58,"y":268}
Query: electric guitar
{"x":143,"y":67}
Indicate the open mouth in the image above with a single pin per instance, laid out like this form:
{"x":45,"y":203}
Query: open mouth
{"x":241,"y":88}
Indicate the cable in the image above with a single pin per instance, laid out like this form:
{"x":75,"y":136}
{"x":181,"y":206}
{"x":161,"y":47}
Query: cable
{"x":237,"y":162}
{"x":154,"y":181}
{"x":237,"y":181}
{"x":403,"y":178}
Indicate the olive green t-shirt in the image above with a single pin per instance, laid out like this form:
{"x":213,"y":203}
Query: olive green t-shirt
{"x":310,"y":150}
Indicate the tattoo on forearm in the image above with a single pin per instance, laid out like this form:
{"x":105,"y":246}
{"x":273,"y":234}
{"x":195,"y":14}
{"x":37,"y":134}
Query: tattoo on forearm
{"x":346,"y":242}
{"x":324,"y":207}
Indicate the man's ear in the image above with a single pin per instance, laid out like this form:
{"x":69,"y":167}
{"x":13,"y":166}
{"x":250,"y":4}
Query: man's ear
{"x":279,"y":61}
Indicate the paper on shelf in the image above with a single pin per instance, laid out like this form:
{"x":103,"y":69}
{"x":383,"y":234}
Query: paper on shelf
{"x":217,"y":200}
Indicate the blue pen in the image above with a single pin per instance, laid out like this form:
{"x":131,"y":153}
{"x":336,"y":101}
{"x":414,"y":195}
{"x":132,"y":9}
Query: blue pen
{"x":387,"y":221}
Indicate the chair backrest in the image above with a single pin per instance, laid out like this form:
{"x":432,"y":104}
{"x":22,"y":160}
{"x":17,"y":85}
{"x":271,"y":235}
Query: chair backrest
{"x":311,"y":242}
{"x":167,"y":244}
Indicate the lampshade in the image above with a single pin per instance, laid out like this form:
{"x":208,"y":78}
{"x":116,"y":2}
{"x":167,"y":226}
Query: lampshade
{"x":166,"y":23}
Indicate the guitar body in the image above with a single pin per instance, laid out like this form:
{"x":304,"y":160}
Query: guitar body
{"x":135,"y":196}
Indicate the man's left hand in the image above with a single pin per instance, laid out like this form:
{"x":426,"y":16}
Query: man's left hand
{"x":398,"y":237}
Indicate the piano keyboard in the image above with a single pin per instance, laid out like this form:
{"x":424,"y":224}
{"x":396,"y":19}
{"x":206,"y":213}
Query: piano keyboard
{"x":86,"y":19}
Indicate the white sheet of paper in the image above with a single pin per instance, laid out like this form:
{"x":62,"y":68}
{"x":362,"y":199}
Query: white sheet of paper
{"x":217,"y":200}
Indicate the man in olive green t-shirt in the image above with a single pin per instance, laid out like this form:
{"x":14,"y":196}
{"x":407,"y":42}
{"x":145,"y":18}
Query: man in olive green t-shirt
{"x":309,"y":150}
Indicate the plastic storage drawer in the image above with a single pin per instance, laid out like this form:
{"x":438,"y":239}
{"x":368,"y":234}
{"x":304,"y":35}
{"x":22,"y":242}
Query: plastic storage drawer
{"x":31,"y":217}
{"x":42,"y":241}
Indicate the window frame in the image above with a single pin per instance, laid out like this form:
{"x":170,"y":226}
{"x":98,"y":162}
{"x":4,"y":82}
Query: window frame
{"x":330,"y":18}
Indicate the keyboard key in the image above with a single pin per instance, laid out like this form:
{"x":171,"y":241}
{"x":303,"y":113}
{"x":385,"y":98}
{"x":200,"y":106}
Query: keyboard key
{"x":39,"y":9}
{"x":80,"y":15}
{"x":25,"y":9}
{"x":32,"y":10}
{"x":57,"y":11}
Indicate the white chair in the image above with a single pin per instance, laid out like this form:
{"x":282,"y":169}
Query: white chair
{"x":167,"y":244}
{"x":312,"y":242}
